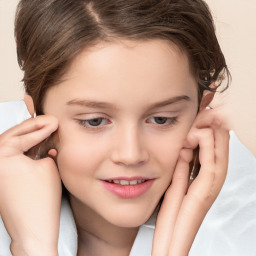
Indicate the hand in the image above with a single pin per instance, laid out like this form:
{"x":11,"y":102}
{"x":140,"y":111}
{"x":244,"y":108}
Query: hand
{"x":30,"y":190}
{"x":183,"y":208}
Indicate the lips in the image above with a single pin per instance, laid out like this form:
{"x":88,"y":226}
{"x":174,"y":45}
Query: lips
{"x":128,"y":187}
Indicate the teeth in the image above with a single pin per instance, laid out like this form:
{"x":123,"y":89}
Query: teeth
{"x":133,"y":182}
{"x":126,"y":182}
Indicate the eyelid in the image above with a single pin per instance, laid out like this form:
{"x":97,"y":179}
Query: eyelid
{"x":171,"y":121}
{"x":88,"y":116}
{"x":84,"y":118}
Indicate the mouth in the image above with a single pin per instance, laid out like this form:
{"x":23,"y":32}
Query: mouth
{"x":128,"y":187}
{"x":127,"y":182}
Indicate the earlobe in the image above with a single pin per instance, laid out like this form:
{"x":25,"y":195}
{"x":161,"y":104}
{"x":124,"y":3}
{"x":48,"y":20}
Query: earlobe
{"x":53,"y":153}
{"x":30,"y":104}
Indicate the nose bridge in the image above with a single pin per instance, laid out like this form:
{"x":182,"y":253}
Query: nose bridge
{"x":129,"y":147}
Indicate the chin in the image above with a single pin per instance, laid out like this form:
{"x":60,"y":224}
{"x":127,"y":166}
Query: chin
{"x":130,"y":218}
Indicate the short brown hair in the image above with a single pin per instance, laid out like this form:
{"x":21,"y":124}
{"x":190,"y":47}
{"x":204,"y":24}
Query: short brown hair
{"x":50,"y":33}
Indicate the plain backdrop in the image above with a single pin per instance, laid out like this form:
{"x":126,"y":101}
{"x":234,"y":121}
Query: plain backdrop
{"x":236,"y":30}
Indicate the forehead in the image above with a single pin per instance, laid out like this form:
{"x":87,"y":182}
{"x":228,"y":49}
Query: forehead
{"x":155,"y":51}
{"x":127,"y":69}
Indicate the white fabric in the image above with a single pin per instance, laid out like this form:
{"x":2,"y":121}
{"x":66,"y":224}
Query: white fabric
{"x":12,"y":113}
{"x":228,"y":229}
{"x":230,"y":226}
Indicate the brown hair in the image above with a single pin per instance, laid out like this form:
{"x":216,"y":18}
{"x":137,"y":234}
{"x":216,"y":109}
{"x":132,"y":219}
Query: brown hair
{"x":50,"y":33}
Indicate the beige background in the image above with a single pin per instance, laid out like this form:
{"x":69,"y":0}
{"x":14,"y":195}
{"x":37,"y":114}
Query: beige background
{"x":236,"y":29}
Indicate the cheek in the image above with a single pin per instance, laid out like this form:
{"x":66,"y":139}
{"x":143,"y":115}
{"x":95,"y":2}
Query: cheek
{"x":79,"y":155}
{"x":166,"y":150}
{"x":167,"y":147}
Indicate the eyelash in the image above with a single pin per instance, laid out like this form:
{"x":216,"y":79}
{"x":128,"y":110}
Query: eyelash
{"x":170,"y":121}
{"x":167,"y":122}
{"x":85,"y":122}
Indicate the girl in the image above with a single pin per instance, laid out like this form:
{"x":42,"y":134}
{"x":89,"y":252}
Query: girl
{"x":120,"y":89}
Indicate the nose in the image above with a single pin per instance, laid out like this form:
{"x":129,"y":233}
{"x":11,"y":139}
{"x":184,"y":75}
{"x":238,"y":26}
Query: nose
{"x":129,"y":148}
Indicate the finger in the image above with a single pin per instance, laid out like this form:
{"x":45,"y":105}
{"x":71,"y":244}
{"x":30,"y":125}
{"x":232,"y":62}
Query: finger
{"x":204,"y":189}
{"x":187,"y":225}
{"x":203,"y":138}
{"x":171,"y":204}
{"x":33,"y":124}
{"x":221,"y":148}
{"x":196,"y":205}
{"x":28,"y":134}
{"x":194,"y":208}
{"x":211,"y":118}
{"x":42,"y":149}
{"x":213,"y":156}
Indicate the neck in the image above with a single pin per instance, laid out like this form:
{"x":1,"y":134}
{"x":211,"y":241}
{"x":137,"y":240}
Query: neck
{"x":96,"y":236}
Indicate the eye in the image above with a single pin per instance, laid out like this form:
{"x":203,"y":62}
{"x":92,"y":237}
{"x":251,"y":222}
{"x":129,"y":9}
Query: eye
{"x":94,"y":122}
{"x":163,"y":121}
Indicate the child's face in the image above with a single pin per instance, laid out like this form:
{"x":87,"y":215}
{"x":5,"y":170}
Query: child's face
{"x":140,"y":100}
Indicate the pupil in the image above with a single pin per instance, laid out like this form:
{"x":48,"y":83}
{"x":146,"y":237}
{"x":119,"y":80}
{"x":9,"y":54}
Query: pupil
{"x":95,"y":122}
{"x":160,"y":120}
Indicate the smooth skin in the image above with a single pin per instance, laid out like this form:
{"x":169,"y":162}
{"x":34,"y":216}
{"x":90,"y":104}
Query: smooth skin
{"x":128,"y":140}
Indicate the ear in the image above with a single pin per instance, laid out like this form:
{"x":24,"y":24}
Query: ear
{"x":30,"y":104}
{"x":206,"y":99}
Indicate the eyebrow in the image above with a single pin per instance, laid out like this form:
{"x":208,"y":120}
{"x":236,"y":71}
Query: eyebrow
{"x":90,"y":103}
{"x":99,"y":104}
{"x":171,"y":101}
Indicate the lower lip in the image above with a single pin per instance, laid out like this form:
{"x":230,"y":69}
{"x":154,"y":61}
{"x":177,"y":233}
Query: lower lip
{"x":128,"y":191}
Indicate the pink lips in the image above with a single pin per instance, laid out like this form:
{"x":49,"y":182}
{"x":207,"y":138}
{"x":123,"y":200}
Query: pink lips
{"x":128,"y":187}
